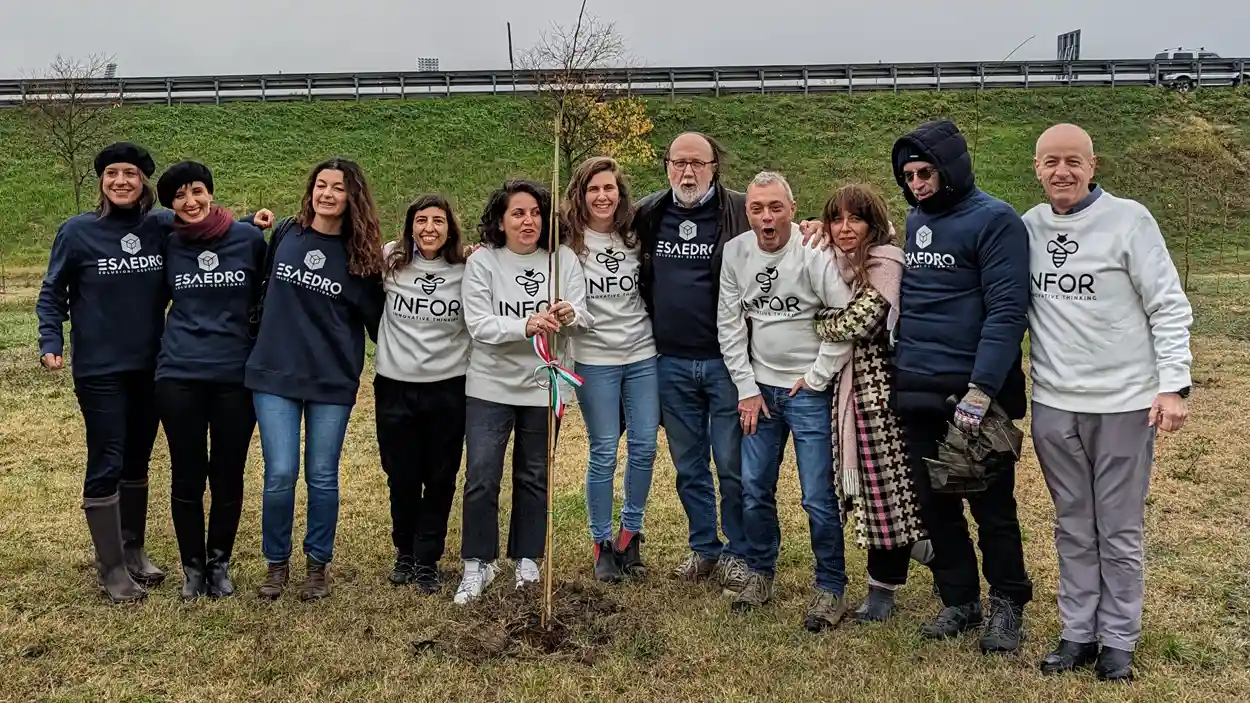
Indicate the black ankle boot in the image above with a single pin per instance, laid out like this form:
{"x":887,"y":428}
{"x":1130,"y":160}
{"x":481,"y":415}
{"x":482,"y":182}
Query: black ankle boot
{"x":606,"y":567}
{"x":223,"y":524}
{"x":217,"y":570}
{"x":194,"y":580}
{"x":1069,"y":656}
{"x":402,"y":572}
{"x":953,"y":620}
{"x":877,"y":607}
{"x":630,"y":558}
{"x":1114,"y":665}
{"x":1005,"y":629}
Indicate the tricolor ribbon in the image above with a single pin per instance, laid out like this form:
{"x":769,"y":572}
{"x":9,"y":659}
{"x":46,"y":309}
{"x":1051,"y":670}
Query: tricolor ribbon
{"x":554,"y":371}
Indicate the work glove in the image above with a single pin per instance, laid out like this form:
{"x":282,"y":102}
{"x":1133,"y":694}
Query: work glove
{"x":971,"y":410}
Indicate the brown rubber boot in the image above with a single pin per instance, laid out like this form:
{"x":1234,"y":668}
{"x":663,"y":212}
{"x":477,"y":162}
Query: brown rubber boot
{"x":104,"y":522}
{"x":275,"y":580}
{"x":317,"y":583}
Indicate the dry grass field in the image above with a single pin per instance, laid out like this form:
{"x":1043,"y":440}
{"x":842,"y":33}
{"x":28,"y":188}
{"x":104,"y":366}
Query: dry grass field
{"x":60,"y":640}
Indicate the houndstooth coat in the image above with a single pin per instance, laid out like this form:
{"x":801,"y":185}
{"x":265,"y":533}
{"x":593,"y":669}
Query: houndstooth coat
{"x":887,"y":511}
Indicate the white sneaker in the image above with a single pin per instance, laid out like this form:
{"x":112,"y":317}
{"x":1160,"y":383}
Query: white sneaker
{"x":526,"y":573}
{"x":477,"y":576}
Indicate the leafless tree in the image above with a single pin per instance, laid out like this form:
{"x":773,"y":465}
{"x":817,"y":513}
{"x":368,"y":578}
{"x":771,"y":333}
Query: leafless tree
{"x":70,"y":105}
{"x":564,"y":63}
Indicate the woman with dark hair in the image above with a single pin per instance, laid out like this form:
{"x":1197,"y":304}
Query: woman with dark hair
{"x":506,"y":304}
{"x":422,"y":357}
{"x":322,"y":295}
{"x":616,"y":360}
{"x":873,"y":473}
{"x":213,"y":267}
{"x":106,"y":277}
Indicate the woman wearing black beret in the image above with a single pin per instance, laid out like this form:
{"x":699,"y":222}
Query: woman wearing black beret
{"x":213,"y":269}
{"x":106,"y":275}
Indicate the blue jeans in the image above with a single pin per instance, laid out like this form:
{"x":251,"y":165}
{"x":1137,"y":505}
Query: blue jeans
{"x":809,"y":416}
{"x":279,"y":421}
{"x":600,"y":398}
{"x":699,"y":411}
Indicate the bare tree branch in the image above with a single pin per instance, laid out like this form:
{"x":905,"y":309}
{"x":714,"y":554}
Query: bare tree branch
{"x":70,"y":104}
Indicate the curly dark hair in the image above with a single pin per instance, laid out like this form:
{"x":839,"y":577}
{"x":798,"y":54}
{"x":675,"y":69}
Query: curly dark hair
{"x":452,"y":250}
{"x":361,"y":230}
{"x":490,"y":228}
{"x":866,"y":203}
{"x":577,"y":216}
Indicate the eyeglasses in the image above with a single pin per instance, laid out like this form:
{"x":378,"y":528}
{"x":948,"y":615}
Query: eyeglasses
{"x":695,"y":164}
{"x":923,"y":174}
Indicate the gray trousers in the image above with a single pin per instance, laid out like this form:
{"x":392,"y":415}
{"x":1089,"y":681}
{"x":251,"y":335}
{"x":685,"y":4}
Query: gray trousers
{"x":1097,"y":467}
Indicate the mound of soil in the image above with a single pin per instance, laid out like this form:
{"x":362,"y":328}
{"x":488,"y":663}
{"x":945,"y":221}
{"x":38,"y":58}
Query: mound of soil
{"x":507,"y":623}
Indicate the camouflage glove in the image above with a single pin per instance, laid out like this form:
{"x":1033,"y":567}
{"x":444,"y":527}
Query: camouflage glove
{"x":971,"y":410}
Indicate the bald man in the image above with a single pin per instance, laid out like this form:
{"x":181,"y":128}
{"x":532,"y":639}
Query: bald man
{"x":1110,"y":361}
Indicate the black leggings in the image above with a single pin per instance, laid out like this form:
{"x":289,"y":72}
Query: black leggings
{"x":421,"y":440}
{"x":192,"y":413}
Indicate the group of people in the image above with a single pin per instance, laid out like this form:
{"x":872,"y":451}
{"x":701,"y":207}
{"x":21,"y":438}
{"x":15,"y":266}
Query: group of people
{"x":713,"y":313}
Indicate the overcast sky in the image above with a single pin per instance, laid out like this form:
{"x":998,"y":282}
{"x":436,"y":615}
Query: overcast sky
{"x":150,"y":38}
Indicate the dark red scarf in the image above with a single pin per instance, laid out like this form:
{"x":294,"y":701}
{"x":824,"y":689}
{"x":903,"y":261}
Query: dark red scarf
{"x":207,"y":230}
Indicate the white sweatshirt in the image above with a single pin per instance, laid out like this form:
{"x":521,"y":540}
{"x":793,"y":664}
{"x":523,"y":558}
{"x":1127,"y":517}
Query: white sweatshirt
{"x":622,"y":332}
{"x":501,"y":290}
{"x":422,"y":337}
{"x":778,"y":295}
{"x":1108,"y":320}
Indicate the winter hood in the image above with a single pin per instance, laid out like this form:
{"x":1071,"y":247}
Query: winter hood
{"x":940,"y":143}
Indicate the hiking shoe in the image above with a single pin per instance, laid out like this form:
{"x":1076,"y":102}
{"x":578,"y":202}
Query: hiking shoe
{"x":275,"y":580}
{"x":1005,"y":628}
{"x":316,"y":583}
{"x":877,"y":607}
{"x":426,"y":579}
{"x":630,"y":558}
{"x":477,"y":576}
{"x":401,"y":573}
{"x":607,"y":568}
{"x":527,"y":573}
{"x":1114,"y":665}
{"x":953,"y":620}
{"x":825,"y":611}
{"x":733,"y":574}
{"x":756,"y":591}
{"x":1069,"y":656}
{"x":694,"y":568}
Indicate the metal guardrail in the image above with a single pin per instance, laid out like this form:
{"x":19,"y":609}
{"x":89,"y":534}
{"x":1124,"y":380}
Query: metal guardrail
{"x":726,"y":80}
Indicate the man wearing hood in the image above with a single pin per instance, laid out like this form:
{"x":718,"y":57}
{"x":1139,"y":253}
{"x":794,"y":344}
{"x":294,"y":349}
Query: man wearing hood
{"x":963,"y":316}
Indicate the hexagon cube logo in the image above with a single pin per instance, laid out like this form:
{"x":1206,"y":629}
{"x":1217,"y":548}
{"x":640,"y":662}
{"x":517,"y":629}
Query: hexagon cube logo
{"x":130,"y":244}
{"x":924,"y":237}
{"x":688,"y":230}
{"x":208,"y":261}
{"x":314,"y":260}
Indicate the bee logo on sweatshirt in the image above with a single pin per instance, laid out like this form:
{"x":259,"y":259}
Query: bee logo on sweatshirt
{"x":430,"y":282}
{"x":1060,"y":248}
{"x":611,"y":259}
{"x":530,"y":280}
{"x":766,"y":278}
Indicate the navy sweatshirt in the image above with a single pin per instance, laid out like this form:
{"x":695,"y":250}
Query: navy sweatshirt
{"x":311,"y":344}
{"x":685,"y":325}
{"x":213,"y":288}
{"x":965,"y":292}
{"x":106,"y":277}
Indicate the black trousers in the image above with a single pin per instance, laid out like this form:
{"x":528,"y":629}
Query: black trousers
{"x":195,"y":414}
{"x":421,"y":440}
{"x":488,"y":426}
{"x":119,"y":411}
{"x":955,"y":561}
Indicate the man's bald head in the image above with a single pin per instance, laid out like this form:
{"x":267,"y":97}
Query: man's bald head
{"x":1064,"y":162}
{"x":1066,"y":137}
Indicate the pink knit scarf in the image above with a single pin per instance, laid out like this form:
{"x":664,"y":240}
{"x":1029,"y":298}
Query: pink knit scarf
{"x":885,"y":274}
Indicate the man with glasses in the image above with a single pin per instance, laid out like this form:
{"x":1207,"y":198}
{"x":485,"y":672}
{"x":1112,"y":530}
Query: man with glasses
{"x":683,"y":230}
{"x":965,"y":297}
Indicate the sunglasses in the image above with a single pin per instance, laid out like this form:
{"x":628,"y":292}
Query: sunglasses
{"x":923,"y":174}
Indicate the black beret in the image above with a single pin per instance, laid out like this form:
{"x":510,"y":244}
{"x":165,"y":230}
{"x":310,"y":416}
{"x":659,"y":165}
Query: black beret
{"x":181,"y":174}
{"x":125,"y":153}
